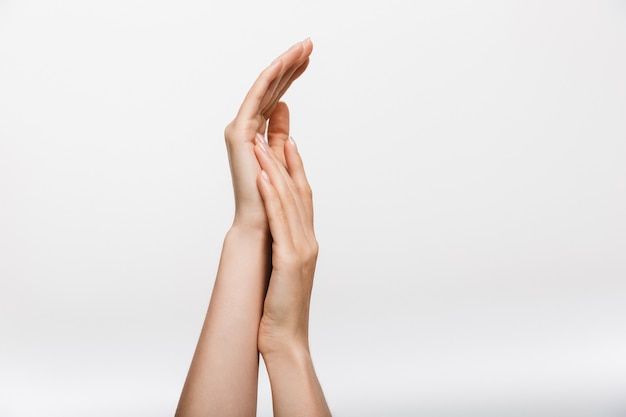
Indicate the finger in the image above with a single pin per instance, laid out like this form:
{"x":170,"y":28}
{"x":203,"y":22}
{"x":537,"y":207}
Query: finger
{"x":285,"y":86}
{"x":265,"y":85}
{"x":278,"y":130}
{"x":292,"y":73}
{"x":276,"y":217}
{"x":289,"y":75}
{"x":292,"y":60}
{"x":295,"y":168}
{"x":289,"y":198}
{"x":252,"y":102}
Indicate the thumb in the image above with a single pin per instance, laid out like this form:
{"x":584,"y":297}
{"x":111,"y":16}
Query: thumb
{"x":278,"y":130}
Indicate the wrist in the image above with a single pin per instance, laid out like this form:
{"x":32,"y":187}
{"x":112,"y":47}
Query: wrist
{"x":254,"y":222}
{"x":241,"y":229}
{"x":293,"y":355}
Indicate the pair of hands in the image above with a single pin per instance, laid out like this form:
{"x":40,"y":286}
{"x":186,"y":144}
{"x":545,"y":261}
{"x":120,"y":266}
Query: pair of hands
{"x":254,"y":310}
{"x":272,"y":195}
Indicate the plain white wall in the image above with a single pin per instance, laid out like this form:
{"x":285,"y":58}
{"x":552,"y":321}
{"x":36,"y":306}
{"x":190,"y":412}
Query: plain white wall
{"x":467,"y":160}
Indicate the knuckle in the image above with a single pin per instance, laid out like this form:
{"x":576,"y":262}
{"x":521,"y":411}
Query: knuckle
{"x":308,"y":251}
{"x":289,"y":259}
{"x":313,"y":250}
{"x":239,"y":130}
{"x":228,"y":131}
{"x":306,"y":191}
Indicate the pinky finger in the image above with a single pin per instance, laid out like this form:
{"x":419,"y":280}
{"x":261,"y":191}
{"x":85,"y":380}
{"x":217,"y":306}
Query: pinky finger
{"x":276,"y":217}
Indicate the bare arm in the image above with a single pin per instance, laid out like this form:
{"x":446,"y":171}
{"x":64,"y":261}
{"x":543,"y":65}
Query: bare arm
{"x":222,"y":379}
{"x":223,"y":376}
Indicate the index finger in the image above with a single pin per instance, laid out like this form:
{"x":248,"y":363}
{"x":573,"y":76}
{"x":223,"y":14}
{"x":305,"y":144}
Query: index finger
{"x":267,"y":81}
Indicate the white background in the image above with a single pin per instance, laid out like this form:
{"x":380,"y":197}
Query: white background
{"x":467,"y":160}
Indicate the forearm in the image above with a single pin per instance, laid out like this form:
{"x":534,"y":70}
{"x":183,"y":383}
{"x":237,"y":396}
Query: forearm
{"x":223,"y":375}
{"x":296,"y":390}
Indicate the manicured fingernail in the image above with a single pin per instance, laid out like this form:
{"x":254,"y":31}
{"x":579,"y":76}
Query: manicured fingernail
{"x":293,"y":142}
{"x":265,"y":176}
{"x":306,"y":40}
{"x":260,"y":140}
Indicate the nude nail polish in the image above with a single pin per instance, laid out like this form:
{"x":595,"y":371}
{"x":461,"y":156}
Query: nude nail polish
{"x":260,"y":138}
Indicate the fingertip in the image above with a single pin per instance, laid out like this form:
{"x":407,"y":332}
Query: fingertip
{"x":259,"y":138}
{"x":293,"y":159}
{"x":281,"y":112}
{"x":281,"y":104}
{"x":308,"y":43}
{"x":291,"y":147}
{"x":264,"y":185}
{"x":292,"y":142}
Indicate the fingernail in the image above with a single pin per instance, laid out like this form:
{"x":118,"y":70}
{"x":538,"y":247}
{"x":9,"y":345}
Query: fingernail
{"x":260,"y":138}
{"x":308,"y":39}
{"x":293,"y":142}
{"x":265,"y":176}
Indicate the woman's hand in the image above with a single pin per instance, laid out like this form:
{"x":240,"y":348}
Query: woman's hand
{"x":288,"y":203}
{"x":283,"y":337}
{"x":260,"y":106}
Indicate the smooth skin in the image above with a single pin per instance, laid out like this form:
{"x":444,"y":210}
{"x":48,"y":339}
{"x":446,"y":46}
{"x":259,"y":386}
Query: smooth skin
{"x":283,"y":331}
{"x":260,"y":299}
